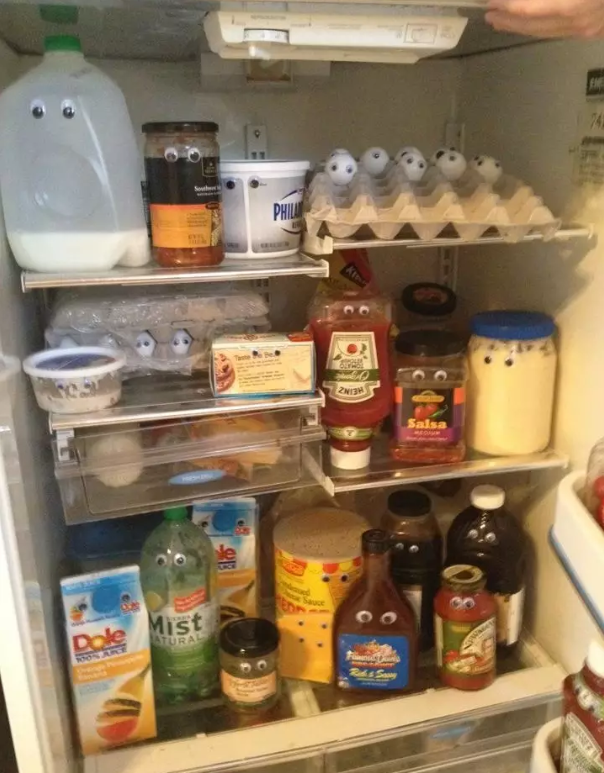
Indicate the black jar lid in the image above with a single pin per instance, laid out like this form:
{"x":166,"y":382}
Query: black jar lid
{"x":429,"y":343}
{"x":429,"y":299}
{"x":409,"y":502}
{"x":179,"y":127}
{"x":250,"y":637}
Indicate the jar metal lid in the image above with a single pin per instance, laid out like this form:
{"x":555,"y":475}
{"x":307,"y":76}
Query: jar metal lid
{"x":463,"y":577}
{"x":429,"y":299}
{"x":512,"y":325}
{"x":409,"y":503}
{"x":178,"y":127}
{"x":250,"y":637}
{"x":429,"y":343}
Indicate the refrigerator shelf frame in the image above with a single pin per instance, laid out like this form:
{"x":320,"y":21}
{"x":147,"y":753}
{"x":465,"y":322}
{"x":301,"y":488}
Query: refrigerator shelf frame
{"x":316,"y":246}
{"x":152,"y":274}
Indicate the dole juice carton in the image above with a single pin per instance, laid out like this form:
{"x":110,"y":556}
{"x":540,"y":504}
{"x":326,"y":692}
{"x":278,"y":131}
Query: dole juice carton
{"x":232,"y":526}
{"x":108,"y":639}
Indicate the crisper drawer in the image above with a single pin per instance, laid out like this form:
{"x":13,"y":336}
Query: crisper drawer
{"x":139,"y":468}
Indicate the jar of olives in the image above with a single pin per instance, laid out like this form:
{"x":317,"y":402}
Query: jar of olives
{"x":248,"y":664}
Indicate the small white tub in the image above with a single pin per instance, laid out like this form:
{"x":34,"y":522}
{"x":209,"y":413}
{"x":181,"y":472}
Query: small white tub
{"x":77,"y":380}
{"x":262,"y":206}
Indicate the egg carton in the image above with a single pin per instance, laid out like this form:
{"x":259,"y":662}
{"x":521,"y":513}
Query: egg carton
{"x":391,"y":205}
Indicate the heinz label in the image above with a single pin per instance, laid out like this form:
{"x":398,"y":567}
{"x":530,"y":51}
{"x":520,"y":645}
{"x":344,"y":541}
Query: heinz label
{"x":352,"y":372}
{"x":108,"y":640}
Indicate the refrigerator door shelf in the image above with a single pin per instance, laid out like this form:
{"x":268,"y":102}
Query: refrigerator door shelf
{"x":578,"y":541}
{"x":546,"y":748}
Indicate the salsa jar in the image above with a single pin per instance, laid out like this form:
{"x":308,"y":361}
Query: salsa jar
{"x":249,"y":664}
{"x":429,"y":397}
{"x":512,"y":372}
{"x":183,"y":186}
{"x":465,"y":627}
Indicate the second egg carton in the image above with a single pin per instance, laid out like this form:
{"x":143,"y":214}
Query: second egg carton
{"x":391,"y":204}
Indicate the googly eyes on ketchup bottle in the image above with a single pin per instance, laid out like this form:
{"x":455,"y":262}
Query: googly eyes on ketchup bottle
{"x":465,"y":628}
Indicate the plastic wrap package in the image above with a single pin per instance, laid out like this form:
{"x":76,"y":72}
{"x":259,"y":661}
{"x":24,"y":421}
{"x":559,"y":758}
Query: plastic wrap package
{"x":155,"y":330}
{"x":393,"y":205}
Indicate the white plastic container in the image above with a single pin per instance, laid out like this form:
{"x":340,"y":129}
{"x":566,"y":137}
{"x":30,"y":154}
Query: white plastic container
{"x":546,"y":748}
{"x":262,"y":207}
{"x":79,"y":380}
{"x":70,"y":167}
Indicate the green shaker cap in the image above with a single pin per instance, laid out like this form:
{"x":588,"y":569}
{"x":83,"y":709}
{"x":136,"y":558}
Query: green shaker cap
{"x":176,"y":514}
{"x":62,"y":43}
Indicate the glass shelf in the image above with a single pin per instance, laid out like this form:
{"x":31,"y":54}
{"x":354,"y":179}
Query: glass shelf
{"x":384,"y":471}
{"x":152,"y":274}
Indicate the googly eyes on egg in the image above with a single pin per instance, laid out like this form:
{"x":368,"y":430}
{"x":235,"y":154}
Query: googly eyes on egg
{"x":181,"y":342}
{"x":374,"y":161}
{"x":341,"y":169}
{"x":488,"y":168}
{"x":440,"y":153}
{"x":407,"y":149}
{"x":414,"y":166}
{"x":452,"y":165}
{"x":145,"y":344}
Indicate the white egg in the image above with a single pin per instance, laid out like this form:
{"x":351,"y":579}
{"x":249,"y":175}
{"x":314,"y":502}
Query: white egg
{"x":406,"y":149}
{"x":181,"y":342}
{"x":145,"y":344}
{"x":452,"y":164}
{"x":108,"y":341}
{"x":488,"y":168}
{"x":414,"y":166}
{"x":375,"y":160}
{"x":341,"y":169}
{"x":339,"y":152}
{"x":67,"y":342}
{"x":440,"y":152}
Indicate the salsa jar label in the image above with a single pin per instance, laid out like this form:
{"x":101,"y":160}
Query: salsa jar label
{"x":372,"y":662}
{"x":184,"y":202}
{"x":581,"y":753}
{"x":352,"y":372}
{"x":429,"y":415}
{"x":465,"y":649}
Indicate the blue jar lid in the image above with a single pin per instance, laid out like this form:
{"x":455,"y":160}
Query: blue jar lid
{"x":512,"y":325}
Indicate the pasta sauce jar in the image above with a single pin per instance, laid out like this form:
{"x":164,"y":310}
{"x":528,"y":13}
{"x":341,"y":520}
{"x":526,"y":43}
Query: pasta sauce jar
{"x":464,"y":622}
{"x":185,"y":203}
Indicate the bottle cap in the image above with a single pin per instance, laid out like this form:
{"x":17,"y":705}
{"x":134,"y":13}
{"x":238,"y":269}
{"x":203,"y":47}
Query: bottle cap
{"x":429,"y":343}
{"x":179,"y":127}
{"x":512,"y":325}
{"x":595,"y":658}
{"x":409,"y":502}
{"x":62,"y":43}
{"x":350,"y":460}
{"x":176,"y":514}
{"x":487,"y":497}
{"x":251,"y":637}
{"x":375,"y":541}
{"x":463,"y":577}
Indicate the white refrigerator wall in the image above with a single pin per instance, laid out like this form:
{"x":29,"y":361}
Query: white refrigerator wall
{"x":535,"y":93}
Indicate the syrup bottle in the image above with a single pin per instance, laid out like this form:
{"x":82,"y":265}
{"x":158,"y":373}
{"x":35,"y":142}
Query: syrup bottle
{"x":375,"y":631}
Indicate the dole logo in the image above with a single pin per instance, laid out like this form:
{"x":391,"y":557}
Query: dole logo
{"x":224,"y":553}
{"x":85,"y":643}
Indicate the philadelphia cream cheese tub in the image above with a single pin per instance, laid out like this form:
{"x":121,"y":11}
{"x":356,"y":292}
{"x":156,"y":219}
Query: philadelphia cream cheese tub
{"x":262,"y":207}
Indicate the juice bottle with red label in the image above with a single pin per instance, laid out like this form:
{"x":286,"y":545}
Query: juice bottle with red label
{"x":351,"y":332}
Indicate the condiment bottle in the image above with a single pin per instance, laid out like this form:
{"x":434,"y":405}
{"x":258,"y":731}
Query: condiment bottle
{"x":427,"y":305}
{"x":375,"y":633}
{"x":593,"y":493}
{"x":429,"y":397}
{"x":488,"y":536}
{"x":248,"y":664}
{"x":464,"y":621}
{"x":583,"y":727}
{"x":351,"y":332}
{"x":416,"y":555}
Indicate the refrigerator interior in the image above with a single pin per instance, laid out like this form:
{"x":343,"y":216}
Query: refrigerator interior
{"x":519,"y":105}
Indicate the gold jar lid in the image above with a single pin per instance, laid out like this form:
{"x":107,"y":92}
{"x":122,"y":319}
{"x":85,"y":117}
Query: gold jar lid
{"x":463,"y":577}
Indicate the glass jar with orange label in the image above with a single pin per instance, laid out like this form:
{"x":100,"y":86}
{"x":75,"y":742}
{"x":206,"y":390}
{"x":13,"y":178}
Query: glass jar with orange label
{"x":185,"y":202}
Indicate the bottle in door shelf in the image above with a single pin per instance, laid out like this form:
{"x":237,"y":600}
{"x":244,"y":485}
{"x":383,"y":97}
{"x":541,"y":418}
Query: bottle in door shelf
{"x":593,"y":493}
{"x":488,"y":536}
{"x":178,"y":575}
{"x":464,"y":621}
{"x":375,"y":631}
{"x":416,"y":561}
{"x":583,"y":707}
{"x":351,"y":332}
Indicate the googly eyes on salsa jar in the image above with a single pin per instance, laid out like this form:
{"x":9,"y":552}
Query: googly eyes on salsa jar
{"x":465,"y":628}
{"x":185,"y":201}
{"x":248,"y":664}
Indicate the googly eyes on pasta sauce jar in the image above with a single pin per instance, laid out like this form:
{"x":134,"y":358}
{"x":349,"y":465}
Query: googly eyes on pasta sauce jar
{"x":465,"y":629}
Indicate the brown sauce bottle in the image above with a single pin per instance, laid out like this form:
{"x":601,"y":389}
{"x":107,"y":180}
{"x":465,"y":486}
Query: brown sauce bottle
{"x":375,"y":631}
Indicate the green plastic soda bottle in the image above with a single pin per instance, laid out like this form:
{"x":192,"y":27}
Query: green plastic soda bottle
{"x":178,"y":576}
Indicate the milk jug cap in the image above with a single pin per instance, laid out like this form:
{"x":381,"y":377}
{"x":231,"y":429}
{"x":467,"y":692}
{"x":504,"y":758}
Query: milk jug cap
{"x":62,"y":43}
{"x":487,"y":497}
{"x":595,"y":658}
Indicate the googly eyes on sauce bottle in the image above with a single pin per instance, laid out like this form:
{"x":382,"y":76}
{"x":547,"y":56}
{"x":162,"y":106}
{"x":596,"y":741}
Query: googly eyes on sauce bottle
{"x":465,"y":628}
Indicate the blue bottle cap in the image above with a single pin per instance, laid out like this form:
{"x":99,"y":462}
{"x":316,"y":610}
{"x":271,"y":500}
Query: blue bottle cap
{"x":512,"y":325}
